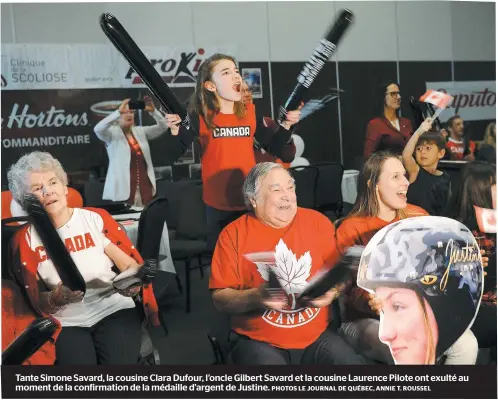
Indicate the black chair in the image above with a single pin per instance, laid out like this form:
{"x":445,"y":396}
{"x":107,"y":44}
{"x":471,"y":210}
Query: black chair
{"x":306,"y":178}
{"x":218,"y":336}
{"x":93,"y":192}
{"x":171,"y":191}
{"x":328,"y":188}
{"x":190,"y":241}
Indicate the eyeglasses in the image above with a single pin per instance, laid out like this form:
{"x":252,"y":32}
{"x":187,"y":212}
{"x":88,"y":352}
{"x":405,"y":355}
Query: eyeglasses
{"x":394,"y":94}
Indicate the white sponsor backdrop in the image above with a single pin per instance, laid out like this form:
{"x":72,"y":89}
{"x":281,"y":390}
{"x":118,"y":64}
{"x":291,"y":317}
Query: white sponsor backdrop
{"x":473,"y":101}
{"x":86,"y":66}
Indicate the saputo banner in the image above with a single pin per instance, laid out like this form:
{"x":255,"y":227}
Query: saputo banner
{"x":473,"y":101}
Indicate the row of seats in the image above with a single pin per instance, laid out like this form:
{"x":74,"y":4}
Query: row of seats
{"x":319,"y":187}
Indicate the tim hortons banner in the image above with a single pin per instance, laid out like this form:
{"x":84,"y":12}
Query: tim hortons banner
{"x":473,"y":101}
{"x":62,"y":123}
{"x":88,"y":66}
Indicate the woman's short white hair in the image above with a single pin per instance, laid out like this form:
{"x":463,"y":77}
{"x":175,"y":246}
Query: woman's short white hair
{"x":252,"y":184}
{"x":37,"y":161}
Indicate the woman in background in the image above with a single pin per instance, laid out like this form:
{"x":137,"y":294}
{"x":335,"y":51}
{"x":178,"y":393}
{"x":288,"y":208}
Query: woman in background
{"x":130,"y":177}
{"x":486,"y":150}
{"x":388,"y":131}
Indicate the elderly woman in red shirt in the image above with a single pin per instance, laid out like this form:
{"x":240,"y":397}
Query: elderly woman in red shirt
{"x":388,"y":131}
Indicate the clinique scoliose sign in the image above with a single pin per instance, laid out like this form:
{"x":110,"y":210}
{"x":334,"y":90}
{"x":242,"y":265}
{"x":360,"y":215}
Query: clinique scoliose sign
{"x":473,"y":101}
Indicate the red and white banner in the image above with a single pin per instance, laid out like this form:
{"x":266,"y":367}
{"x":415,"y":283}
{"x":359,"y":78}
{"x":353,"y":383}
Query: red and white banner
{"x":486,"y":219}
{"x":473,"y":101}
{"x":88,"y":66}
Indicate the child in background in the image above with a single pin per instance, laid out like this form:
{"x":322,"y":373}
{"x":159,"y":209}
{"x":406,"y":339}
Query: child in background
{"x":429,"y":188}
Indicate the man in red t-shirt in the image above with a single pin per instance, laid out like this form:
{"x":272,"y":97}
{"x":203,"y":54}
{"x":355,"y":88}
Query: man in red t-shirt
{"x":299,"y":241}
{"x":459,"y":148}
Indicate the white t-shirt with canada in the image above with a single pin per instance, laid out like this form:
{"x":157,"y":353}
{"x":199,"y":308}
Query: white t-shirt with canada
{"x":84,"y":238}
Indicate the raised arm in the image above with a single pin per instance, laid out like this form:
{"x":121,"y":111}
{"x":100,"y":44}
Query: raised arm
{"x":409,"y":162}
{"x":161,"y":126}
{"x":275,"y":138}
{"x":103,"y":128}
{"x":180,"y":138}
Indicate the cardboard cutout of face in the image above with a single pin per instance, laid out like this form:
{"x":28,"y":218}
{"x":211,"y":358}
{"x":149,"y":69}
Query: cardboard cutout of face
{"x":428,"y":274}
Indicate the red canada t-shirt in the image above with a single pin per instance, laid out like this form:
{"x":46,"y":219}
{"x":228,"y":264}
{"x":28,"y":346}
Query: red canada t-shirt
{"x":457,"y":149}
{"x":227,"y":158}
{"x":300,"y":249}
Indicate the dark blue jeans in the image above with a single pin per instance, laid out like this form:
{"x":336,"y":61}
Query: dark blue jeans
{"x":328,"y":349}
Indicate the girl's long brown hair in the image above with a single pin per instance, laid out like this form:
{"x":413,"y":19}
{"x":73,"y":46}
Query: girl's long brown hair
{"x":204,"y":102}
{"x":366,"y":204}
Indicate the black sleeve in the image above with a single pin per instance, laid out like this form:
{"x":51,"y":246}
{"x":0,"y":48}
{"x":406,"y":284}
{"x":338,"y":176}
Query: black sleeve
{"x":177,"y":145}
{"x":275,"y":139}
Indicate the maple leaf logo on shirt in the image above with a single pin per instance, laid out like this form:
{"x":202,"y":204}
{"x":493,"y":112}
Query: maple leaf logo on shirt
{"x":291,"y":272}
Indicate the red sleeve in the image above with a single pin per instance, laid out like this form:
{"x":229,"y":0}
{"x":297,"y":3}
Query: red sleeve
{"x":224,"y":265}
{"x":472,"y":146}
{"x":346,"y":236}
{"x":372,"y":140}
{"x":415,"y":211}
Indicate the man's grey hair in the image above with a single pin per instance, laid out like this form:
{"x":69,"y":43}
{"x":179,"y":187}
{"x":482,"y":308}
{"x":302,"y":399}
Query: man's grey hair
{"x":252,"y":184}
{"x":37,"y":161}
